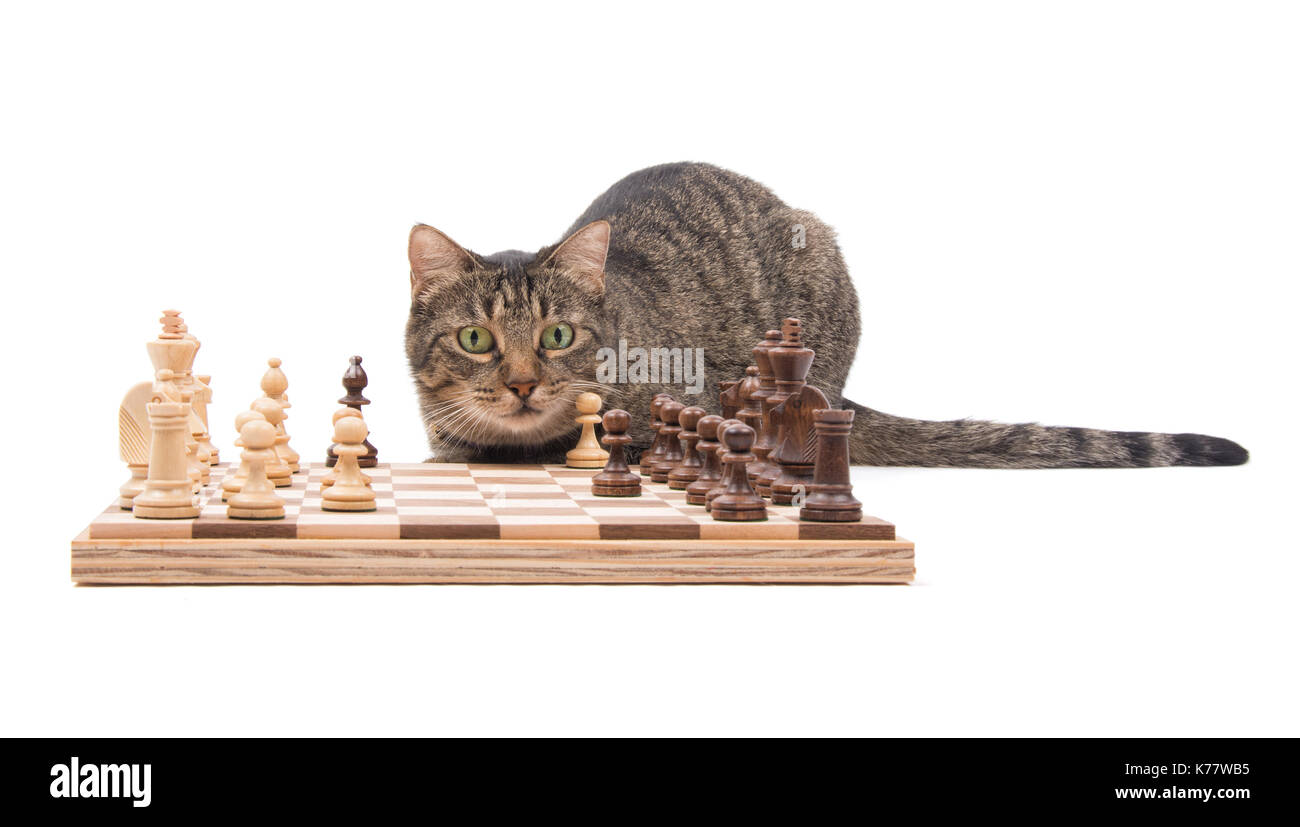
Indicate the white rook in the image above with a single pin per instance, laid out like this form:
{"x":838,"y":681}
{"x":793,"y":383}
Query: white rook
{"x":168,"y":490}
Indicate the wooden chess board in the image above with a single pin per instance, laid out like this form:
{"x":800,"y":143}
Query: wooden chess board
{"x":457,"y":523}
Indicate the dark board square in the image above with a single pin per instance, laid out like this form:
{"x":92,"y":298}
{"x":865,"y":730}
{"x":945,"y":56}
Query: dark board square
{"x":865,"y":530}
{"x":226,"y":528}
{"x":417,"y":528}
{"x":649,"y":530}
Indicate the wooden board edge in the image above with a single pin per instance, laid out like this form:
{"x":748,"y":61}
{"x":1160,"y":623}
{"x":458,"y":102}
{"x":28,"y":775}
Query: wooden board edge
{"x":793,"y":549}
{"x":606,"y":562}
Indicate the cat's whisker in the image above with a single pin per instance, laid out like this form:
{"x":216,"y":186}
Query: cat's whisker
{"x":598,"y":388}
{"x":443,"y":424}
{"x":584,"y":386}
{"x":458,"y":424}
{"x":457,"y":400}
{"x":449,"y":423}
{"x":469,"y":428}
{"x":610,"y":395}
{"x":433,"y":416}
{"x":443,"y":407}
{"x":454,"y":399}
{"x":477,"y":426}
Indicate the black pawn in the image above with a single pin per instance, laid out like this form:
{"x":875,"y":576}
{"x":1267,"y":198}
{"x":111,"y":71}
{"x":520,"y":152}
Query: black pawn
{"x":710,"y":469}
{"x":672,"y":445}
{"x":688,"y":468}
{"x":354,"y":382}
{"x":616,"y":480}
{"x":720,"y":456}
{"x":729,"y":397}
{"x":738,"y":502}
{"x":652,"y":454}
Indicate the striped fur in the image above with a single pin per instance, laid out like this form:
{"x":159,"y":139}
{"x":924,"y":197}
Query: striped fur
{"x":697,"y":257}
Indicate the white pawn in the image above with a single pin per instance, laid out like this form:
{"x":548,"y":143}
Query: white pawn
{"x":202,"y":397}
{"x":274,"y":385}
{"x":257,"y":499}
{"x":235,"y":481}
{"x":198,"y":454}
{"x":333,"y":473}
{"x":350,"y":492}
{"x":587,"y":453}
{"x":276,"y":469}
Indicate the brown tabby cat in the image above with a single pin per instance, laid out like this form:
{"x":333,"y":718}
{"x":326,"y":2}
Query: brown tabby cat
{"x":681,"y":256}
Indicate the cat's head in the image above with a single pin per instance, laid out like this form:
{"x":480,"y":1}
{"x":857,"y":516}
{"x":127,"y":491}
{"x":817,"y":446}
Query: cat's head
{"x":500,"y":346}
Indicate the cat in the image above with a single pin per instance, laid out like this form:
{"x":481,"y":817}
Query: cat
{"x":692,"y":256}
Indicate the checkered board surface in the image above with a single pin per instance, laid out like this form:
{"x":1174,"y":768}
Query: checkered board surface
{"x":420,"y":501}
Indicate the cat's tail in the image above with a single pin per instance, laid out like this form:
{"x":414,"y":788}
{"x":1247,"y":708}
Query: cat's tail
{"x":882,"y":439}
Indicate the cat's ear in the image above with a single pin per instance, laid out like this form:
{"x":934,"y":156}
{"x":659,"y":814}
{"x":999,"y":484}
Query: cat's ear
{"x":583,"y":255}
{"x":436,"y":260}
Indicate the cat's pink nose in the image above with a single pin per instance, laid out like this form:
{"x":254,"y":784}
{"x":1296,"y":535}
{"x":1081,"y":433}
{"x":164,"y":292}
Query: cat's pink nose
{"x":522,"y":387}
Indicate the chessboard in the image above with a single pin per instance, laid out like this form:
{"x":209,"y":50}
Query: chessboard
{"x":471,"y":523}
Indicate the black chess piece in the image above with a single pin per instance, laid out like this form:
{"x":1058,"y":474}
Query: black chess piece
{"x":729,"y":397}
{"x":790,"y":364}
{"x":669,"y":411}
{"x":688,"y":468}
{"x":354,"y":382}
{"x":775,"y":420}
{"x":720,"y":455}
{"x":751,"y":413}
{"x":656,"y":450}
{"x":710,"y":469}
{"x":738,"y":501}
{"x":766,"y":442}
{"x":831,"y":498}
{"x":616,"y":480}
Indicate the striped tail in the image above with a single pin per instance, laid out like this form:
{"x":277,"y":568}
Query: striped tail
{"x":882,"y":439}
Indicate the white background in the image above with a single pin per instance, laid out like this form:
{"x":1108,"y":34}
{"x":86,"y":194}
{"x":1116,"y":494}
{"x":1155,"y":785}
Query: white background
{"x":1080,"y":214}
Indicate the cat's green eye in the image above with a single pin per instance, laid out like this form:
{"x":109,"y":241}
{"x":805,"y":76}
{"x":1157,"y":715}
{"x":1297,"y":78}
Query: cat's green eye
{"x":557,"y":336}
{"x":475,"y":339}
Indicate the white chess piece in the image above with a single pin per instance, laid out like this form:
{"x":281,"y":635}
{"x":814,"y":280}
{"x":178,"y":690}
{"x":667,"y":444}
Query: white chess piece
{"x":134,"y":438}
{"x":169,"y":489}
{"x":175,"y":349}
{"x":350,"y":492}
{"x":587,"y":453}
{"x":203,"y":396}
{"x":333,"y":473}
{"x":167,"y":388}
{"x":235,"y":481}
{"x":199,"y":454}
{"x":274,"y":385}
{"x":278,"y":471}
{"x":257,"y":499}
